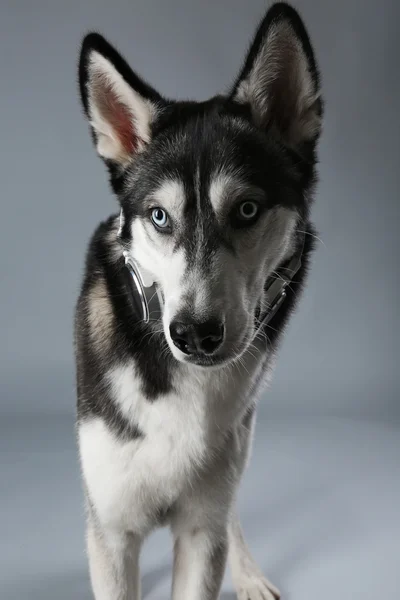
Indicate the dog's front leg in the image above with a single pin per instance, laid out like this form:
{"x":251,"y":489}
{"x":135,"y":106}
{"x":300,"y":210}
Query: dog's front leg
{"x":199,"y":562}
{"x":249,"y":581}
{"x":113,"y":563}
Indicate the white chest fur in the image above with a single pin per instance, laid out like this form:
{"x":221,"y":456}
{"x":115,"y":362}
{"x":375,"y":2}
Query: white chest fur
{"x":128,"y":481}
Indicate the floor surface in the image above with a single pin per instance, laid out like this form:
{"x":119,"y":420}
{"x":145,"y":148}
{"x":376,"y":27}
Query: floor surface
{"x":320,"y":505}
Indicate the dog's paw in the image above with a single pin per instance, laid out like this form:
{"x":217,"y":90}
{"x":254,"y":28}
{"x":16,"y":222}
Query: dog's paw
{"x":254,"y":586}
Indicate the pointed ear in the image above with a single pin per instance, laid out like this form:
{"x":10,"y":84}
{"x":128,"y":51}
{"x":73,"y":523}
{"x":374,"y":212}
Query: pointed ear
{"x":279,"y":80}
{"x":121,"y":108}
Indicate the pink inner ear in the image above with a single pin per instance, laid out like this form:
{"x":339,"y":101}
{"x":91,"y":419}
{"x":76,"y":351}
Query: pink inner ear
{"x":120,"y":119}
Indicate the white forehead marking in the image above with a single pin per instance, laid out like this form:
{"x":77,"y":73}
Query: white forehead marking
{"x":219,"y":189}
{"x":225,"y":188}
{"x":171,"y":196}
{"x":121,"y":222}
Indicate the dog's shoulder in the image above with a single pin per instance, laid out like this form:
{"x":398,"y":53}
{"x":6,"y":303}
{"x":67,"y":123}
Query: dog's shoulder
{"x":108,"y":335}
{"x":94,"y":313}
{"x":95,"y":327}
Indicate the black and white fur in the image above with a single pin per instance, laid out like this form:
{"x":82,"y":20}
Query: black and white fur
{"x":164,"y":434}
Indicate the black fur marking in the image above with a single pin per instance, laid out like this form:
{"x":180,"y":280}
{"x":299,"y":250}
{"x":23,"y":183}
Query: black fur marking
{"x":94,"y":399}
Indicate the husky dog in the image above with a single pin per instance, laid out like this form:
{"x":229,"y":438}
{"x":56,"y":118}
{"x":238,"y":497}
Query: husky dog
{"x":186,"y":292}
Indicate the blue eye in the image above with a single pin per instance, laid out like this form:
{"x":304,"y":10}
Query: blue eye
{"x":160,"y":218}
{"x":248,"y":210}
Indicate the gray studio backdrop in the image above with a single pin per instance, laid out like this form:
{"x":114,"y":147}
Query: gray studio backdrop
{"x":320,"y":500}
{"x":341,"y":351}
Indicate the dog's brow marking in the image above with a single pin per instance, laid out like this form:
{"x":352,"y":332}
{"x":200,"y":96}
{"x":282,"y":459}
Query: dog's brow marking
{"x":225,"y":188}
{"x":219,"y":187}
{"x":171,"y":196}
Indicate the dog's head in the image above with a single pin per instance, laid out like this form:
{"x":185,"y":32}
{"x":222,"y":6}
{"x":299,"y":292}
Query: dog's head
{"x":211,"y":193}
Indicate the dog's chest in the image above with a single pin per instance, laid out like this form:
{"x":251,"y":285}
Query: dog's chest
{"x":131,"y":481}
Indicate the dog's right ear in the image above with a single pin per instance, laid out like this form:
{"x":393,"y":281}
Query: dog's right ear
{"x":120,"y":106}
{"x":279,"y":80}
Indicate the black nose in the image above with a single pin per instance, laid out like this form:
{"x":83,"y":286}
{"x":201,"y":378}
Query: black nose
{"x":197,"y":338}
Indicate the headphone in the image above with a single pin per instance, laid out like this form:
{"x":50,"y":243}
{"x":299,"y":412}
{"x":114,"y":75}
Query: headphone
{"x":275,"y":287}
{"x":145,"y":293}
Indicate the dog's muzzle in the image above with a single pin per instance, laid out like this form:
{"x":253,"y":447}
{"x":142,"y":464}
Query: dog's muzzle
{"x":148,"y":301}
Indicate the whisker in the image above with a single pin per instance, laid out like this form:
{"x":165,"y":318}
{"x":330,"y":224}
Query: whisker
{"x":152,"y":297}
{"x":284,"y":280}
{"x":312,"y":235}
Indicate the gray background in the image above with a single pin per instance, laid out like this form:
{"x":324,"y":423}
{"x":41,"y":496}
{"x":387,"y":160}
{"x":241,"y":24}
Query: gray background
{"x":320,"y":500}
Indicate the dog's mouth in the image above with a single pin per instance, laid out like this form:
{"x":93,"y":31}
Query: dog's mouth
{"x":207,"y":361}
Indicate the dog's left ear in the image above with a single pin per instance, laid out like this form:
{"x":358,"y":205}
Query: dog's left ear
{"x":120,"y":106}
{"x":279,"y":80}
